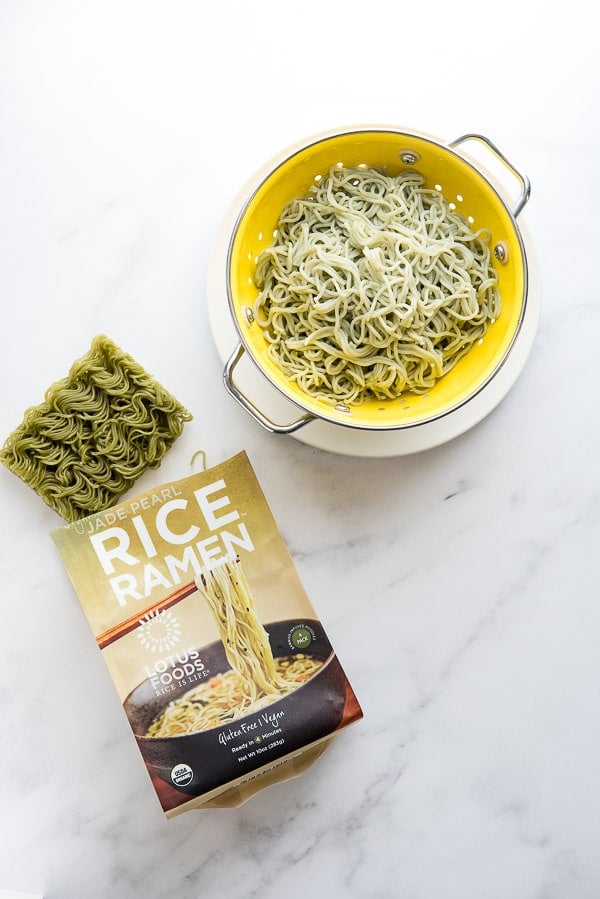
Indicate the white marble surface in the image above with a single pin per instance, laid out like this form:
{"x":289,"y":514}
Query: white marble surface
{"x":459,"y":585}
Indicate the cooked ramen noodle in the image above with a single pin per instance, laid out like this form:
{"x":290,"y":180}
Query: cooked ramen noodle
{"x":373,"y":286}
{"x":225,"y":697}
{"x":255,"y":678}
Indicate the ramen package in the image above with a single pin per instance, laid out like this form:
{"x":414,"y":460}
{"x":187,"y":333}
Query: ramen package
{"x":224,"y":671}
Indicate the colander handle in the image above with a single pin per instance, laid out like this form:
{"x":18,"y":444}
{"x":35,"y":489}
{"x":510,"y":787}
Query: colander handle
{"x":250,"y":407}
{"x":523,"y":179}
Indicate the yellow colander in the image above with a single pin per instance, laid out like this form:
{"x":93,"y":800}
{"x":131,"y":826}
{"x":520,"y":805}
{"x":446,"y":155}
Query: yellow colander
{"x":464,"y":185}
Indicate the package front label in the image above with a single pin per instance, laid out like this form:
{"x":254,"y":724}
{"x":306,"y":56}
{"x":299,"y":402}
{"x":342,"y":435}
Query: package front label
{"x":223,"y":669}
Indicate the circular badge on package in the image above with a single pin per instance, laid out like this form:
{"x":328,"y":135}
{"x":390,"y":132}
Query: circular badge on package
{"x":300,"y":637}
{"x":181,"y":775}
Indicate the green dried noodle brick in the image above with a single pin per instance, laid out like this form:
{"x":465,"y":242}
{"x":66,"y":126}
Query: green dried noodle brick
{"x":96,"y":432}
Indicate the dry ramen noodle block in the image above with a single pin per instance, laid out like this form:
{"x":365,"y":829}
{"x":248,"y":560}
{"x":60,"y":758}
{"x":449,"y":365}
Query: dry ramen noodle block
{"x":95,"y":433}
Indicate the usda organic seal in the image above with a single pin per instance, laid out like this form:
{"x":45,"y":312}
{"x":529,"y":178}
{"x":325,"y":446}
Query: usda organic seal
{"x":181,"y":775}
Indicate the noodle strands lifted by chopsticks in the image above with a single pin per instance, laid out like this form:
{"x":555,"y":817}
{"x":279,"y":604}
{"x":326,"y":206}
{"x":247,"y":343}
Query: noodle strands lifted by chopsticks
{"x":255,"y":678}
{"x":226,"y":590}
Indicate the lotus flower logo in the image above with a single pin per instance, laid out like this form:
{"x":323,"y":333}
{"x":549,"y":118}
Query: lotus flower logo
{"x":159,"y":631}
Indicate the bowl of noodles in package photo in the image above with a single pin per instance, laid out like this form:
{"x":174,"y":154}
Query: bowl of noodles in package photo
{"x":377,"y":279}
{"x":181,"y":724}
